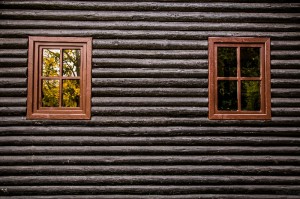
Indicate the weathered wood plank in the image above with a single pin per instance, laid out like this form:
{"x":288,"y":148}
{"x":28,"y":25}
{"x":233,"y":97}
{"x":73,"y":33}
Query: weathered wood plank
{"x":149,"y":101}
{"x":155,"y":6}
{"x":149,"y":25}
{"x":12,"y":111}
{"x":13,"y":62}
{"x":285,"y":73}
{"x":284,"y":83}
{"x":151,"y":111}
{"x":148,"y":16}
{"x":149,"y":92}
{"x":149,"y":72}
{"x":150,"y":150}
{"x":147,"y":180}
{"x":13,"y":43}
{"x":147,"y":141}
{"x":150,"y":63}
{"x":285,"y":102}
{"x":13,"y":92}
{"x":228,"y":130}
{"x":150,"y":82}
{"x":285,"y":92}
{"x":150,"y":160}
{"x":12,"y":101}
{"x":13,"y":72}
{"x":150,"y":189}
{"x":150,"y":44}
{"x":146,"y":34}
{"x":13,"y":82}
{"x":126,"y":121}
{"x":22,"y":53}
{"x":165,"y":196}
{"x":150,"y":170}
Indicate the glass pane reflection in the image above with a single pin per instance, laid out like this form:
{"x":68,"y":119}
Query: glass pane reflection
{"x":251,"y":95}
{"x":51,"y":62}
{"x":227,"y":95}
{"x":227,"y":62}
{"x":250,"y":65}
{"x":71,"y":63}
{"x":71,"y":93}
{"x":50,"y":93}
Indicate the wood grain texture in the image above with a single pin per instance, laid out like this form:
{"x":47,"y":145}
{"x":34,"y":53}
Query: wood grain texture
{"x":149,"y":135}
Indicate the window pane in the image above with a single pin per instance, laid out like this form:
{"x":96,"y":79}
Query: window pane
{"x":51,"y":62}
{"x":71,"y":93}
{"x":227,"y":64}
{"x":227,"y":95}
{"x":50,"y":93}
{"x":71,"y":63}
{"x":250,"y":65}
{"x":251,"y":95}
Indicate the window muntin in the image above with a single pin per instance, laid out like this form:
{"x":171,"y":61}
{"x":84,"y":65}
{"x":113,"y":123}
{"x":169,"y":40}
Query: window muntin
{"x":239,"y":78}
{"x":59,"y":78}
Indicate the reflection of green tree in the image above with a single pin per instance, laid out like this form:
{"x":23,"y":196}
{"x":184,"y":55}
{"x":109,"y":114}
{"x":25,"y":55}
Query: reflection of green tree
{"x":227,"y":64}
{"x":251,"y":95}
{"x":250,"y":61}
{"x":51,"y":68}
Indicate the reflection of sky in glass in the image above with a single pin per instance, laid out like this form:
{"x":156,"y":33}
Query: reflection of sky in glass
{"x":51,"y":62}
{"x":50,"y":93}
{"x":71,"y":63}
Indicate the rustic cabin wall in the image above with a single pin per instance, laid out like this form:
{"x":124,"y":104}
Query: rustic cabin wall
{"x":149,"y":135}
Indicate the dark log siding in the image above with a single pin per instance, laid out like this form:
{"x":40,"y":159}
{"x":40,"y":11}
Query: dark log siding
{"x":149,"y":136}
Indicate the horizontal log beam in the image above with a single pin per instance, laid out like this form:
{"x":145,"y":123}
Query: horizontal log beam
{"x":148,"y":150}
{"x":125,"y":121}
{"x":152,"y":190}
{"x":148,"y":141}
{"x":146,"y":34}
{"x":149,"y":25}
{"x":149,"y":101}
{"x":148,"y":16}
{"x":150,"y":170}
{"x":155,"y":6}
{"x":147,"y":180}
{"x":150,"y":160}
{"x":149,"y":73}
{"x":230,"y":130}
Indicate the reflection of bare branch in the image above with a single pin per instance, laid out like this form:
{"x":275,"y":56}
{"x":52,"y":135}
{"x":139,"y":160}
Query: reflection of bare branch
{"x":73,"y":60}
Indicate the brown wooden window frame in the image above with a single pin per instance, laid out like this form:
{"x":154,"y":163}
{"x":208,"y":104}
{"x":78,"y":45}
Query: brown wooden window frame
{"x":265,"y":78}
{"x":34,"y":108}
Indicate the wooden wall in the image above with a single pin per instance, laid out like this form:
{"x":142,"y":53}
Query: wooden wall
{"x":149,"y":136}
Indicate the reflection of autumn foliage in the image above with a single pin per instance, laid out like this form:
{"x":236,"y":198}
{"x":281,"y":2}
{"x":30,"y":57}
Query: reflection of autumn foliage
{"x":51,"y":62}
{"x":70,"y":87}
{"x":71,"y":93}
{"x":50,"y":93}
{"x":71,"y":63}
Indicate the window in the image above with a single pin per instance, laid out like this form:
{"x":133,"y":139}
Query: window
{"x":59,"y":78}
{"x":239,"y":78}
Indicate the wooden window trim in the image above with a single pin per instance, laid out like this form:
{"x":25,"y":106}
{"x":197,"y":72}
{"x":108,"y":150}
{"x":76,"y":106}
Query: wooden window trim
{"x":36,"y":44}
{"x":265,"y":78}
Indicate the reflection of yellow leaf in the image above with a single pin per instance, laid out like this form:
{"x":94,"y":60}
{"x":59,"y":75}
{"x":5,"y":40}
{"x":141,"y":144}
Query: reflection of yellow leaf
{"x":50,"y":93}
{"x":71,"y":93}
